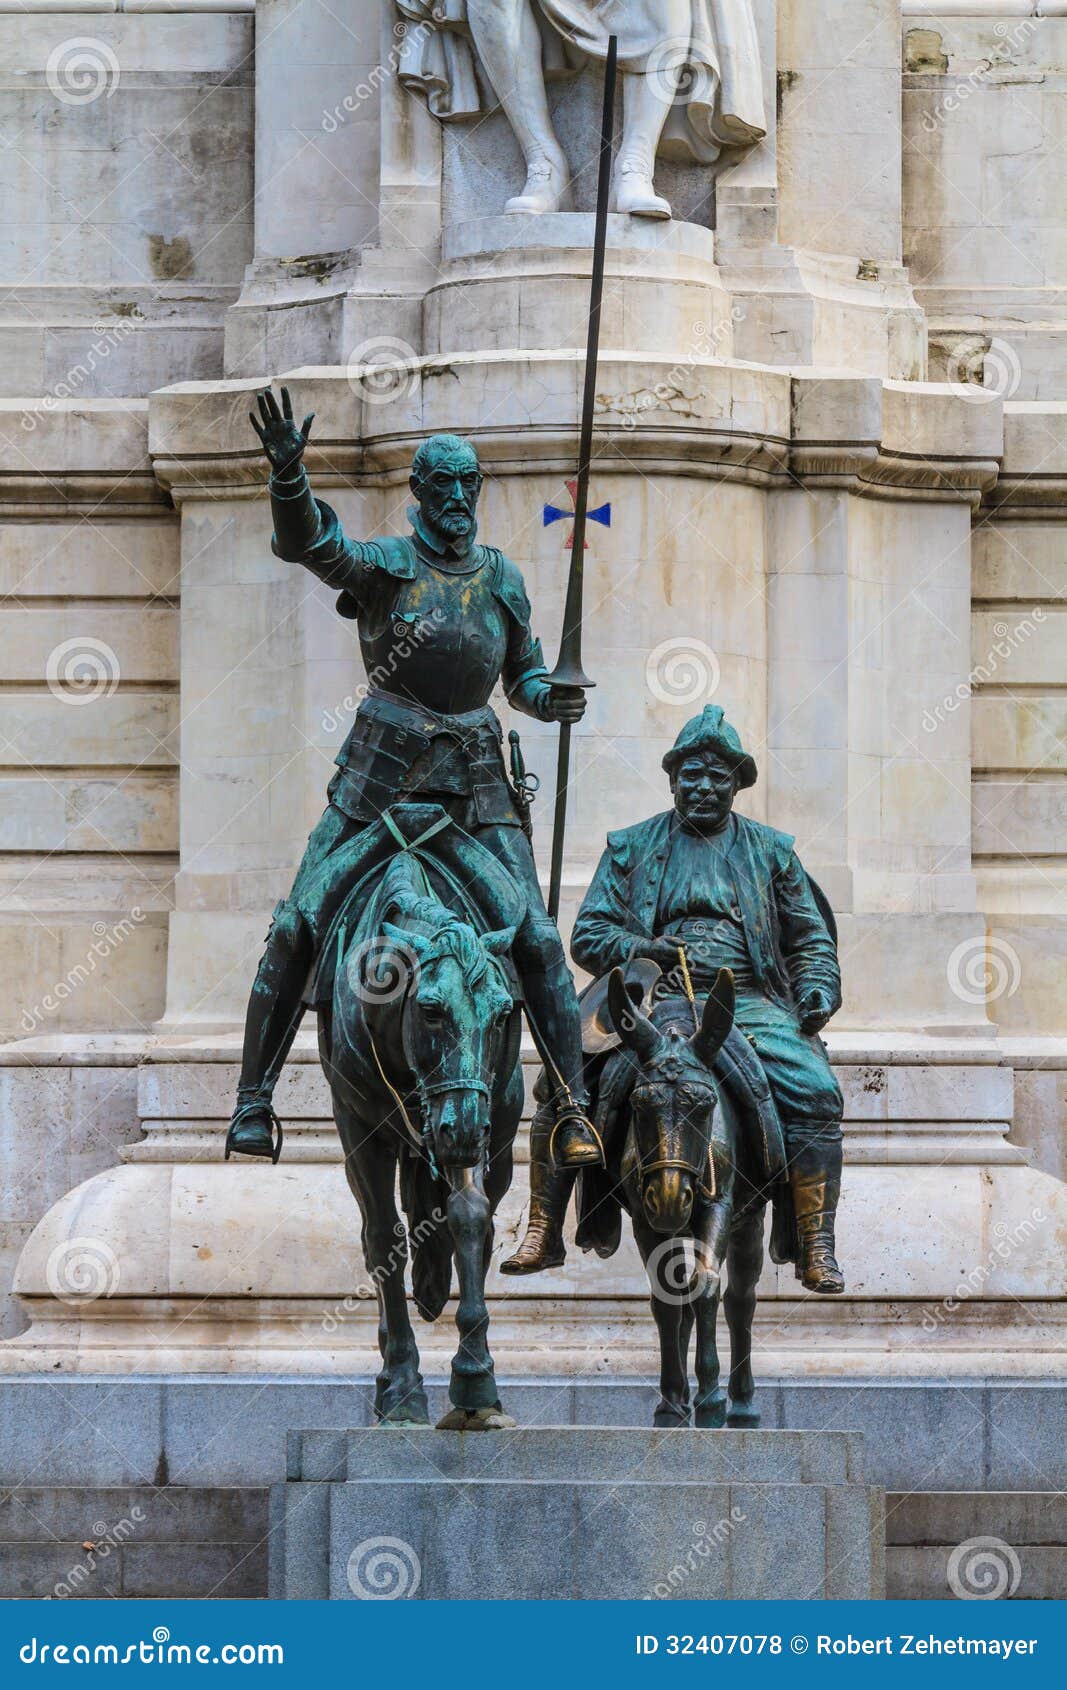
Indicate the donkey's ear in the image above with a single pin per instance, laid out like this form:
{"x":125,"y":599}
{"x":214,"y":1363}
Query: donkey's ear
{"x":500,"y":942}
{"x":717,"y":1020}
{"x":634,"y":1029}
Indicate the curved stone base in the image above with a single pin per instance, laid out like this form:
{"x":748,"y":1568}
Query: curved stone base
{"x":160,"y":1267}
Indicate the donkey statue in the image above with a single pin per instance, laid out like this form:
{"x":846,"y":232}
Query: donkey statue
{"x":686,"y":1165}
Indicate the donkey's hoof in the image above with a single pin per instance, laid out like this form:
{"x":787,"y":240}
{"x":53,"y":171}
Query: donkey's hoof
{"x":743,"y":1415}
{"x":711,"y":1415}
{"x":476,"y":1420}
{"x":669,"y":1415}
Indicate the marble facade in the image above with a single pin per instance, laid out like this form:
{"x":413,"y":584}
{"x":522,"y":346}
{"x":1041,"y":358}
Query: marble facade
{"x":833,"y":433}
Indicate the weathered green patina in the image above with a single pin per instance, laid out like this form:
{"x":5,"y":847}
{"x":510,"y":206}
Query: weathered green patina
{"x":441,"y":619}
{"x":698,"y":889}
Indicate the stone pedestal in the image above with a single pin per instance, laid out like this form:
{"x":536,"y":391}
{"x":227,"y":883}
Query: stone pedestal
{"x":589,"y":1514}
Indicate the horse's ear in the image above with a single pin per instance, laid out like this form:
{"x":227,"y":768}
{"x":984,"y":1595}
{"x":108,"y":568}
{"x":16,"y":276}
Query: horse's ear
{"x":500,"y":942}
{"x":400,"y":937}
{"x":634,"y":1029}
{"x":717,"y":1019}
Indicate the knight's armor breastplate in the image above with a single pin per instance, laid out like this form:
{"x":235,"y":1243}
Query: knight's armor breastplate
{"x":433,"y":652}
{"x":442,"y":640}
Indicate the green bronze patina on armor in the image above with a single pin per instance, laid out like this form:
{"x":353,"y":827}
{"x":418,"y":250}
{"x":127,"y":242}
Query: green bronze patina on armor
{"x":441,"y":619}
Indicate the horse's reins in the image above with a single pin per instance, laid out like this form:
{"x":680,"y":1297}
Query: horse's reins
{"x":425,"y":1089}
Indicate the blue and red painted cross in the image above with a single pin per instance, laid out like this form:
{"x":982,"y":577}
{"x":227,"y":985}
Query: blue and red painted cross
{"x":552,"y":513}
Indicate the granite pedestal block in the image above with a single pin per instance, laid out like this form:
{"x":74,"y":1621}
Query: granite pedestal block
{"x":576,"y":1513}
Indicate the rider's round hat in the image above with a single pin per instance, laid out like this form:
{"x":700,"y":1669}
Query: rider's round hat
{"x":710,"y":731}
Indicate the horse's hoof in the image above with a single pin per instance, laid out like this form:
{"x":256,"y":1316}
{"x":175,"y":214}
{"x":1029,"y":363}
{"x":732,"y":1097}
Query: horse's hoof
{"x":711,"y":1415}
{"x":404,"y":1417}
{"x":743,"y":1415}
{"x":476,"y":1420}
{"x":669,"y":1415}
{"x":401,"y":1403}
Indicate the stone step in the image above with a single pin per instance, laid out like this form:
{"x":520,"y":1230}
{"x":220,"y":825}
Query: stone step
{"x":135,"y":1541}
{"x":567,"y":1513}
{"x":605,"y":1454}
{"x":1012,"y":1543}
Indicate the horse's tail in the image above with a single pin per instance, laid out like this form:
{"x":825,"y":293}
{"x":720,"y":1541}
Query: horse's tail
{"x":429,"y":1236}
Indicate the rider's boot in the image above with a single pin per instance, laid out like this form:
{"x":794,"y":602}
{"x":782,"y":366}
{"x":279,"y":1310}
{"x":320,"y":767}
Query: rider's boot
{"x":550,"y":1190}
{"x":815,"y":1176}
{"x":556,"y":1024}
{"x":275,"y":1008}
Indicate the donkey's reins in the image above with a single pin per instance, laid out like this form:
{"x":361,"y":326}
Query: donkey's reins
{"x":669,"y":1062}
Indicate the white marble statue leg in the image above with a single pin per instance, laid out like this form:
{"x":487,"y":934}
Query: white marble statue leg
{"x":647,"y":98}
{"x":509,"y":42}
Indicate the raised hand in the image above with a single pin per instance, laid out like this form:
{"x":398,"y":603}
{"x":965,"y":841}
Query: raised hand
{"x":282,"y":441}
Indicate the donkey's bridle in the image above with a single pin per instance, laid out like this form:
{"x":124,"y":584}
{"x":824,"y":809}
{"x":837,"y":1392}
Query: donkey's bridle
{"x":669,"y":1066}
{"x":678,"y":1164}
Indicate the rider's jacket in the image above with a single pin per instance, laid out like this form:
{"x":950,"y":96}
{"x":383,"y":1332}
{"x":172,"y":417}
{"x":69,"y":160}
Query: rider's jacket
{"x":437,"y":630}
{"x":768,"y":898}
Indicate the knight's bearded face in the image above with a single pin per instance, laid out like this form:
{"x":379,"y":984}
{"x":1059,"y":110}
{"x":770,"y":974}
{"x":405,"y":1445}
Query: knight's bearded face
{"x":448,"y":494}
{"x":704,"y":791}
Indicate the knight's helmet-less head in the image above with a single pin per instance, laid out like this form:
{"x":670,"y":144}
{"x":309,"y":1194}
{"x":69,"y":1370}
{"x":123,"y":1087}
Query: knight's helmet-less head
{"x":446,"y":479}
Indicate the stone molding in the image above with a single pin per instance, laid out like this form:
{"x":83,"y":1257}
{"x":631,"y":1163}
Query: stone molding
{"x":75,"y":7}
{"x":750,"y":423}
{"x":73,"y":457}
{"x":1033,"y":477}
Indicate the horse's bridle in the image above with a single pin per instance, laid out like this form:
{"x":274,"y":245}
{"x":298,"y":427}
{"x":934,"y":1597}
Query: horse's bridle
{"x":425,"y":1089}
{"x":678,"y":1164}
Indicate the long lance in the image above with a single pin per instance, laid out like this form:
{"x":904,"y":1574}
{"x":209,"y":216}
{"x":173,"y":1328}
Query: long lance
{"x":568,"y":671}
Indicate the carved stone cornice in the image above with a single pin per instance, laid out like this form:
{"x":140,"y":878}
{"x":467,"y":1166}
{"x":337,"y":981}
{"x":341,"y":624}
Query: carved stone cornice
{"x":77,"y":458}
{"x":748,"y":423}
{"x":1032,"y":485}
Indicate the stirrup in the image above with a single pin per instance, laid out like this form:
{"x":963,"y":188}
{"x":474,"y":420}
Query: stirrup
{"x":257,"y":1107}
{"x":574,"y":1113}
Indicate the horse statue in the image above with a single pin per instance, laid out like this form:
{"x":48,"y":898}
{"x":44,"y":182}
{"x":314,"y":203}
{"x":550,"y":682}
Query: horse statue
{"x":419,"y":1040}
{"x":693,"y":1161}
